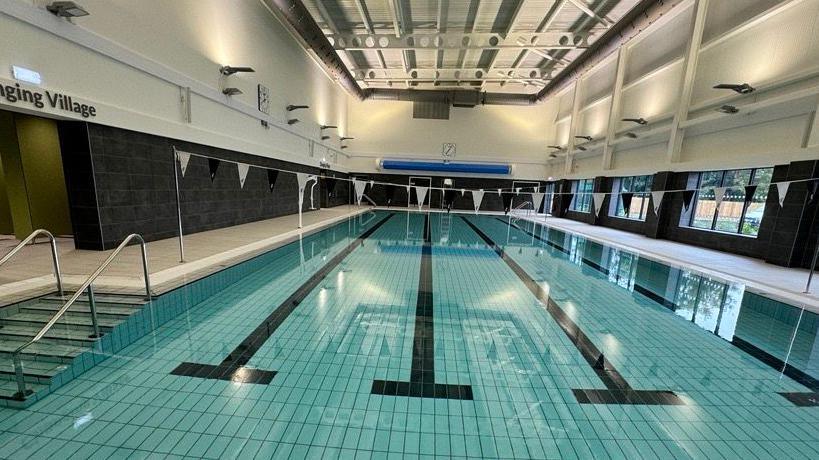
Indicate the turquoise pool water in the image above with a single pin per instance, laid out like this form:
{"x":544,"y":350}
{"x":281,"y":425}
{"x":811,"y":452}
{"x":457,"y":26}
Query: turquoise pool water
{"x":406,"y":335}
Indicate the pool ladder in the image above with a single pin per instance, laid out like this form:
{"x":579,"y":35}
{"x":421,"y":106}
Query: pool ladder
{"x":86,"y":286}
{"x":512,"y":213}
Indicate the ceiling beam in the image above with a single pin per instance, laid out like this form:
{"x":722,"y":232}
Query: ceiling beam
{"x":460,"y":41}
{"x":544,"y":25}
{"x":513,"y":22}
{"x":615,"y":110}
{"x":607,"y":23}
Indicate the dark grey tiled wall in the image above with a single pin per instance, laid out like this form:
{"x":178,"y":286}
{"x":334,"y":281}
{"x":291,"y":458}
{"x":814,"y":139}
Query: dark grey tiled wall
{"x":133,"y":175}
{"x":491,"y":200}
{"x":79,"y":178}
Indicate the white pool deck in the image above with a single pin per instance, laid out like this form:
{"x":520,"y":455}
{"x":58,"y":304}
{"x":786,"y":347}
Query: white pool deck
{"x":29,"y":273}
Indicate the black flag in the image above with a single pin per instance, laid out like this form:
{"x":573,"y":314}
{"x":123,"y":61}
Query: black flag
{"x":390,"y":193}
{"x":330,"y":184}
{"x":213,"y":165}
{"x":272,"y":175}
{"x":688,"y":195}
{"x":507,"y":201}
{"x":627,"y":196}
{"x":750,"y":190}
{"x":813,"y":187}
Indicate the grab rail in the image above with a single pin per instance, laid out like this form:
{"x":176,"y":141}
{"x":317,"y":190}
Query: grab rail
{"x":87,"y":285}
{"x":54,"y":254}
{"x":364,"y":195}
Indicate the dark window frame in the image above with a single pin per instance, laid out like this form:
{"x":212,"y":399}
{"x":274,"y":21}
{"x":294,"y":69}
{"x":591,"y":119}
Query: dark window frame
{"x":752,"y":180}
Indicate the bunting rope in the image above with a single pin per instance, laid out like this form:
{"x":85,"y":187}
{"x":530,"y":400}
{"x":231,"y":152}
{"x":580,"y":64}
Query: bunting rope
{"x":514,"y":190}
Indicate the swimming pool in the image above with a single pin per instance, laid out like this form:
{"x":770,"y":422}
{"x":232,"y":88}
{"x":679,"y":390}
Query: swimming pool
{"x":402,"y":334}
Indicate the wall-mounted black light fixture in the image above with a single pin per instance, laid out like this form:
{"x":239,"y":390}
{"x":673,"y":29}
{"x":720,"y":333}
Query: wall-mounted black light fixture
{"x":639,"y":121}
{"x":588,"y":138}
{"x":343,"y":147}
{"x":552,"y":155}
{"x":556,"y":147}
{"x":346,"y":139}
{"x":292,"y":121}
{"x":581,"y":148}
{"x":66,"y":9}
{"x":229,"y":70}
{"x":323,"y":127}
{"x":292,"y":107}
{"x":631,"y":135}
{"x":743,"y":88}
{"x":231,"y":91}
{"x":728,"y":109}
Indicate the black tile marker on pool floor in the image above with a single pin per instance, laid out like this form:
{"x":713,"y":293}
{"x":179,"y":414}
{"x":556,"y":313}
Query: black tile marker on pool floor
{"x":422,"y":372}
{"x":618,"y":390}
{"x":233,"y":368}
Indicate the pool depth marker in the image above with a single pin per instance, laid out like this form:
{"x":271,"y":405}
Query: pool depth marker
{"x":618,"y":390}
{"x":422,"y":372}
{"x":233,"y":368}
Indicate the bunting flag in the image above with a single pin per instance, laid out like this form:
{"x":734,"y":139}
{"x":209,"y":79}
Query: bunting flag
{"x":657,"y":200}
{"x":627,"y":197}
{"x":213,"y":165}
{"x":420,"y":195}
{"x":330,"y":184}
{"x":782,"y":190}
{"x":598,"y":202}
{"x":750,"y":190}
{"x":359,"y":186}
{"x":463,"y":191}
{"x":272,"y":175}
{"x":243,"y":169}
{"x":449,"y":196}
{"x":688,"y":195}
{"x":517,"y":190}
{"x":499,"y":192}
{"x":184,"y":158}
{"x":389,"y":192}
{"x":564,"y":205}
{"x":719,"y":195}
{"x":507,"y":201}
{"x":813,"y":187}
{"x":537,"y":200}
{"x":477,"y":197}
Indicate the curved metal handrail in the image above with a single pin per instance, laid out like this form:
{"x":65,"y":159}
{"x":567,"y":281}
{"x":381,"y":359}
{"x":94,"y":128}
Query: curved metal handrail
{"x":54,"y":254}
{"x":87,"y":285}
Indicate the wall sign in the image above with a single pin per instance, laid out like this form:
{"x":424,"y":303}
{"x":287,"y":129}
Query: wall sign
{"x":448,"y":150}
{"x":39,"y":99}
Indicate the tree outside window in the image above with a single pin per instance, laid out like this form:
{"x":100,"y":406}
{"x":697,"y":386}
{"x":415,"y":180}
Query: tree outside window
{"x":640,"y":188}
{"x":735,"y":214}
{"x":582,"y":190}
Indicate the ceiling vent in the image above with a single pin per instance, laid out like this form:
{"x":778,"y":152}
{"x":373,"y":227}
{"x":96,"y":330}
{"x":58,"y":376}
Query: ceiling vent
{"x":430,"y":110}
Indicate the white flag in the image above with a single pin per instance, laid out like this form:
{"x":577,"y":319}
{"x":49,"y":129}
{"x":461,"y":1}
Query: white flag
{"x":499,"y":192}
{"x":656,"y":200}
{"x":477,"y":197}
{"x":420,"y":195}
{"x":517,"y":191}
{"x":598,"y":202}
{"x":719,"y":194}
{"x":782,"y":190}
{"x":243,"y":169}
{"x":184,"y":158}
{"x":359,"y":186}
{"x":463,"y":191}
{"x":537,"y":200}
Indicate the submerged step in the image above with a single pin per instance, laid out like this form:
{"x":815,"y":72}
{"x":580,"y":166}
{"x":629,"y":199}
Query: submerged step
{"x":101,"y":298}
{"x":28,"y":318}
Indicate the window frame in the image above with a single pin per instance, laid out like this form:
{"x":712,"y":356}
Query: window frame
{"x":618,"y":189}
{"x":752,"y":180}
{"x":585,"y":197}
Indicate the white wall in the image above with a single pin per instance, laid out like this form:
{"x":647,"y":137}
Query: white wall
{"x":492,"y":133}
{"x":179,"y":42}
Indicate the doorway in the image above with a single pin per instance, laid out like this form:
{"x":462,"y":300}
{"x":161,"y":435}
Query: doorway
{"x":423,"y":182}
{"x":33,"y":191}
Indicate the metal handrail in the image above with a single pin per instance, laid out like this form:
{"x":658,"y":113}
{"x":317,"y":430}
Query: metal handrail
{"x":54,"y":255}
{"x":87,"y":285}
{"x":364,"y":195}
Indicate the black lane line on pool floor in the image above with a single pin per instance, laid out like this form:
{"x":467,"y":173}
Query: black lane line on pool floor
{"x":618,"y":390}
{"x":233,"y":368}
{"x":422,"y":372}
{"x":801,"y":399}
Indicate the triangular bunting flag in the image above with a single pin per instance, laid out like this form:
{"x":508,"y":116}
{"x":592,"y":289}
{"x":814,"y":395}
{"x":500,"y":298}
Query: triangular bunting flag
{"x":719,"y":195}
{"x":499,"y":192}
{"x":213,"y":165}
{"x":688,"y":195}
{"x":517,"y":191}
{"x":627,"y":197}
{"x":272,"y":175}
{"x":463,"y":191}
{"x":537,"y":201}
{"x":782,"y":190}
{"x":477,"y":197}
{"x":813,"y":187}
{"x":420,"y":195}
{"x":750,"y":190}
{"x":243,"y":169}
{"x":390,"y":193}
{"x":507,"y":201}
{"x":564,"y":205}
{"x":184,"y":158}
{"x":359,"y":186}
{"x":598,"y":202}
{"x":330,"y":184}
{"x":657,"y":200}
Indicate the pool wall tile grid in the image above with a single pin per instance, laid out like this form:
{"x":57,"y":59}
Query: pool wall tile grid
{"x":154,"y":314}
{"x":320,"y":405}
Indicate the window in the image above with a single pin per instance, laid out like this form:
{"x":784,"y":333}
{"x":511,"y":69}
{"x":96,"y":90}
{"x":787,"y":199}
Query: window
{"x":582,"y":190}
{"x":734,"y":214}
{"x":640,"y":187}
{"x":549,"y":190}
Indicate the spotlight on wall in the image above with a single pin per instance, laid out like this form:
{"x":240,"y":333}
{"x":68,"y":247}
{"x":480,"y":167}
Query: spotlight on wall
{"x":231,"y":91}
{"x":292,"y":121}
{"x":581,"y":148}
{"x":66,"y":9}
{"x":228,"y":70}
{"x":324,"y":138}
{"x":292,"y":107}
{"x":728,"y":109}
{"x":588,"y":138}
{"x":639,"y":121}
{"x":556,"y":147}
{"x":743,"y":88}
{"x":631,"y":135}
{"x":346,"y":138}
{"x":323,"y":127}
{"x":343,"y":147}
{"x":552,"y":155}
